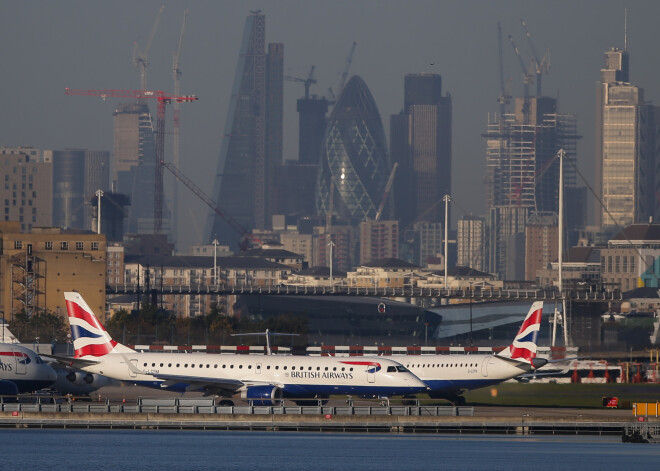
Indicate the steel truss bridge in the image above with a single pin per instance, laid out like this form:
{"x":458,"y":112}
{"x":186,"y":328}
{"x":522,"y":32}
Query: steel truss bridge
{"x":573,"y":295}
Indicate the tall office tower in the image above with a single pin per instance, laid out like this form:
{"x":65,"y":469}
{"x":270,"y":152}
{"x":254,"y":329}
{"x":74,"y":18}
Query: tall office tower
{"x":354,"y":157}
{"x":431,"y":241}
{"x":134,"y":169}
{"x":77,"y":175}
{"x":522,"y":175}
{"x":541,"y":243}
{"x":251,"y":152}
{"x":625,"y":147}
{"x":378,"y":239}
{"x":312,"y":113}
{"x":420,"y":141}
{"x":471,"y":243}
{"x":26,"y":192}
{"x":298,"y":182}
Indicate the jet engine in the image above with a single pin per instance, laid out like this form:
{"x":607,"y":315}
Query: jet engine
{"x":263,"y":395}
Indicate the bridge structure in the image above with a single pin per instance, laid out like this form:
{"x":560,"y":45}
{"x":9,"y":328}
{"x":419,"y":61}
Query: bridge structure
{"x":476,"y":294}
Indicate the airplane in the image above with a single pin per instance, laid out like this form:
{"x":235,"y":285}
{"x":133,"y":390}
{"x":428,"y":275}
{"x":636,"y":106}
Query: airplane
{"x":260,"y":379}
{"x":68,"y":380}
{"x":448,"y":376}
{"x":22,"y":370}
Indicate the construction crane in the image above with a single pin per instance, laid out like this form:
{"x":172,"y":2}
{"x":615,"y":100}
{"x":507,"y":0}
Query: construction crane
{"x":542,"y":66}
{"x":344,"y":75}
{"x":388,"y":188}
{"x":176,"y":74}
{"x":505,"y":96}
{"x":163,"y":99}
{"x":528,"y":78}
{"x":306,"y":82}
{"x":247,"y":238}
{"x":140,"y":58}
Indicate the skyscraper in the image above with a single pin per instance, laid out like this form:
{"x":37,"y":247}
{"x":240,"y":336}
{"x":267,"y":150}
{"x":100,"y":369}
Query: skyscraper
{"x":251,"y":153}
{"x":420,"y":141}
{"x":354,"y":158}
{"x":134,"y":169}
{"x":625,"y":147}
{"x":522,"y":175}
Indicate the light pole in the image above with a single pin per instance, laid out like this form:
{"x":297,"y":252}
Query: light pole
{"x":215,"y":262}
{"x":446,"y":199}
{"x":99,"y":194}
{"x":331,"y":244}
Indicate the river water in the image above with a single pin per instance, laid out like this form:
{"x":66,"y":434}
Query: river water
{"x":36,"y":450}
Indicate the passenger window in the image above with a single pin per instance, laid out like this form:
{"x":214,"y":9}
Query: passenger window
{"x":153,"y":364}
{"x":284,"y":368}
{"x":186,"y":365}
{"x":277,"y":367}
{"x":351,"y":369}
{"x":240,"y":367}
{"x":161,"y":365}
{"x":192,"y":365}
{"x":144,"y":364}
{"x":249,"y":367}
{"x":318,"y":368}
{"x":224,"y":366}
{"x":178,"y":364}
{"x":231,"y":366}
{"x":343,"y":369}
{"x":268,"y":367}
{"x":293,"y":368}
{"x":215,"y":366}
{"x":334,"y":368}
{"x":309,"y":368}
{"x":326,"y":368}
{"x":169,"y":365}
{"x":208,"y":366}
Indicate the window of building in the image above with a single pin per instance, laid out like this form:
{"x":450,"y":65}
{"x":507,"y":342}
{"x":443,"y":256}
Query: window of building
{"x":617,"y":262}
{"x":18,"y":244}
{"x":632,"y":264}
{"x":64,"y":246}
{"x":49,"y":245}
{"x":625,"y":264}
{"x":79,"y":245}
{"x":609,"y":264}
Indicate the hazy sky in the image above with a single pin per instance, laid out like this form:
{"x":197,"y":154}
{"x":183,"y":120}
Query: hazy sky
{"x":50,"y":45}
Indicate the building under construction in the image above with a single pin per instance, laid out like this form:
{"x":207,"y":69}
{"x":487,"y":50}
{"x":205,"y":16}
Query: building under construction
{"x":522,"y":176}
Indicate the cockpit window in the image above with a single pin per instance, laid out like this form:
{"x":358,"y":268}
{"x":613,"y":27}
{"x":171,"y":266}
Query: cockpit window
{"x":391,"y":369}
{"x":401,"y":369}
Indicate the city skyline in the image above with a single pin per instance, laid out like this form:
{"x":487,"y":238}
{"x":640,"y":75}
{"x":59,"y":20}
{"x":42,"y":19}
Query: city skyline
{"x":80,"y":45}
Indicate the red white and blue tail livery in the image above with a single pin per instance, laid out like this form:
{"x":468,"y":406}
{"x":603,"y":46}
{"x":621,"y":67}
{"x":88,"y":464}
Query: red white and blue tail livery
{"x":89,"y":336}
{"x":262,"y":379}
{"x":524,"y":345}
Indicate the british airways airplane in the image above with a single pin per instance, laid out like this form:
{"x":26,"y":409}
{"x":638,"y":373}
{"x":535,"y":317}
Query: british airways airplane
{"x":22,"y":370}
{"x":262,"y":379}
{"x":448,"y":376}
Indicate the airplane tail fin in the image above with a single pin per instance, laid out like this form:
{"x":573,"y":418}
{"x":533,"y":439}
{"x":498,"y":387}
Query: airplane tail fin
{"x":524,"y":344}
{"x":89,"y":336}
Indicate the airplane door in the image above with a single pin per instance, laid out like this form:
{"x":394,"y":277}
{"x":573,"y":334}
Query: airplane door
{"x":21,"y":360}
{"x":371,"y":375}
{"x":484,"y":367}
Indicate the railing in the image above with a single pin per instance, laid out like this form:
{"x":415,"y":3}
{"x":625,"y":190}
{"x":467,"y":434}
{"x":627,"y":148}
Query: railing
{"x":208,"y":406}
{"x":403,"y":292}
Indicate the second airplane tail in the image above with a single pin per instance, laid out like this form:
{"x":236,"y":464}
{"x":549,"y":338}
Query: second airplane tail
{"x":524,"y":345}
{"x":89,"y":336}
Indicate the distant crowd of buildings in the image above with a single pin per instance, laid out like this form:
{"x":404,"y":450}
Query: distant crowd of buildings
{"x":350,"y":200}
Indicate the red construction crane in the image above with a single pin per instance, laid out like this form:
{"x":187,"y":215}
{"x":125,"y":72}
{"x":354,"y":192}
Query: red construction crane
{"x":247,"y":238}
{"x":163,"y":99}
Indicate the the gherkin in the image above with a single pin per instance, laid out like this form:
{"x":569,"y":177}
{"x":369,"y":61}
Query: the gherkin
{"x":354,"y":156}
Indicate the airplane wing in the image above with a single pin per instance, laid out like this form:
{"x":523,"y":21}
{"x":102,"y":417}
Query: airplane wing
{"x":68,"y":361}
{"x":202,"y":382}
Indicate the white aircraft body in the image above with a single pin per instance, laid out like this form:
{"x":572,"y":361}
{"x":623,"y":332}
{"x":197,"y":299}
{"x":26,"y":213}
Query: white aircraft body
{"x":67,"y":380}
{"x":448,"y":376}
{"x":21,"y":369}
{"x":263,"y":379}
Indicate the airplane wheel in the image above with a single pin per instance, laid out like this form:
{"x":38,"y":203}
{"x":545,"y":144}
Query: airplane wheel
{"x":460,"y":401}
{"x":226,"y":403}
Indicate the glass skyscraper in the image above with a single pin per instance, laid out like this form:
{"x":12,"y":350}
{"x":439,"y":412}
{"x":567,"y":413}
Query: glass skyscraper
{"x":354,"y":157}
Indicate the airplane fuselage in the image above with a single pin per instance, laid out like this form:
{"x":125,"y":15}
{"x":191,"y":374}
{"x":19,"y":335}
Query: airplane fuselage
{"x":23,"y":368}
{"x":296,"y":376}
{"x":455,"y":373}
